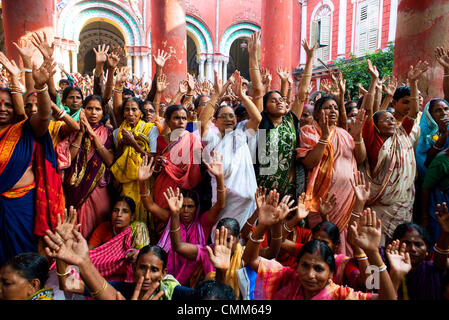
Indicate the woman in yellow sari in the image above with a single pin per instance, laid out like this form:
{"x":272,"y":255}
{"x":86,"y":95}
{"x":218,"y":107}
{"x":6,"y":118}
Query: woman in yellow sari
{"x":134,"y":139}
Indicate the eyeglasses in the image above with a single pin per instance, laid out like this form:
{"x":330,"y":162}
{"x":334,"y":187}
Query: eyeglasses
{"x":229,"y":116}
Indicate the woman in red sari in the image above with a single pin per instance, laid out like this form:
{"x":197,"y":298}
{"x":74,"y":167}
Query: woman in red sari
{"x":178,"y":156}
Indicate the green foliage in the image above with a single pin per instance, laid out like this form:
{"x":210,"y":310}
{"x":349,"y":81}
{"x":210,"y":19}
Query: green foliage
{"x":355,"y":70}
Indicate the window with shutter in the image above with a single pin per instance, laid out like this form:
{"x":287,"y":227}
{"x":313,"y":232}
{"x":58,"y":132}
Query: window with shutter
{"x":320,"y":32}
{"x":368,"y":25}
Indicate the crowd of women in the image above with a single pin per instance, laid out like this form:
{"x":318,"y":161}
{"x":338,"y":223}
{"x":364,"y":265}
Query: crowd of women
{"x":111,"y":190}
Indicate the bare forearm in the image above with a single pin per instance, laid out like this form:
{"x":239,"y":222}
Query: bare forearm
{"x":314,"y":156}
{"x":386,"y":102}
{"x":95,"y":281}
{"x":109,"y":85}
{"x":386,"y":289}
{"x":446,"y":83}
{"x":251,"y":253}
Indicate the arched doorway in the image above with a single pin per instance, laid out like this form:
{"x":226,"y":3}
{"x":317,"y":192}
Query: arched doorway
{"x":93,"y":34}
{"x":239,"y":58}
{"x":192,"y":64}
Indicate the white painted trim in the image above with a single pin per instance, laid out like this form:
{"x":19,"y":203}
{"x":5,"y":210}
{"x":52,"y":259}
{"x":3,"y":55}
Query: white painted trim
{"x":354,"y":27}
{"x":393,"y":20}
{"x":379,"y":29}
{"x":201,"y":33}
{"x":341,"y":50}
{"x":233,"y":33}
{"x":319,"y":5}
{"x":302,"y":55}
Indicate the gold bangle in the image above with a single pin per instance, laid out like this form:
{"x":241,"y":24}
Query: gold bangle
{"x":383,"y":267}
{"x":221,"y":190}
{"x":98,"y":292}
{"x":176,"y":230}
{"x":45,"y":88}
{"x":63,"y":274}
{"x":278,"y":238}
{"x":360,"y":256}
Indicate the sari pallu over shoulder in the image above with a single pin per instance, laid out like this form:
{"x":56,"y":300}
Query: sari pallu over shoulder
{"x":182,"y":167}
{"x":18,"y":150}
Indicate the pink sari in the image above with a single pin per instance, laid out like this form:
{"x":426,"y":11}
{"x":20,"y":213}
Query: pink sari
{"x":182,"y":168}
{"x":178,"y":266}
{"x":276,"y":282}
{"x":332,"y":175}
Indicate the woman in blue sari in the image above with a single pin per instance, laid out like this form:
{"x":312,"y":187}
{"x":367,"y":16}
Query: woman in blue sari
{"x":433,"y":139}
{"x":31,"y":194}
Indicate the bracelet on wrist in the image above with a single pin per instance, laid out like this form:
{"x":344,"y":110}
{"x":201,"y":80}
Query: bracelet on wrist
{"x":176,"y":230}
{"x":254,"y":240}
{"x":383,"y":267}
{"x":101,"y":290}
{"x":286,"y":228}
{"x":28,"y":70}
{"x":440,"y":251}
{"x":41,"y":90}
{"x":251,"y":225}
{"x":63,"y":274}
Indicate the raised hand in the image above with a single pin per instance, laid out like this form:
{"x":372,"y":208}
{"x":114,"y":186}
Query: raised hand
{"x":101,"y":54}
{"x":399,"y":260}
{"x":327,"y":205}
{"x":41,"y":43}
{"x":260,"y":196}
{"x":325,"y":124}
{"x":122,"y":74}
{"x":41,"y":75}
{"x":216,"y":165}
{"x":285,"y":207}
{"x":372,"y":70}
{"x":362,"y":90}
{"x":161,"y":58}
{"x":64,"y":229}
{"x":390,"y":86}
{"x":162,"y":83}
{"x":137,"y":294}
{"x":174,"y":200}
{"x":114,"y":58}
{"x":442,"y":215}
{"x":268,"y":213}
{"x":310,"y":50}
{"x":356,"y":125}
{"x":183,"y":87}
{"x":10,"y":65}
{"x":367,"y":231}
{"x":26,"y":51}
{"x":301,"y":211}
{"x":218,"y":84}
{"x":253,"y":43}
{"x":86,"y":123}
{"x":146,"y":168}
{"x":220,"y":256}
{"x":442,"y":56}
{"x":361,"y":186}
{"x":326,"y":85}
{"x":266,"y":76}
{"x":238,"y":82}
{"x":283,"y":74}
{"x":190,"y":82}
{"x":71,"y":251}
{"x":415,"y":72}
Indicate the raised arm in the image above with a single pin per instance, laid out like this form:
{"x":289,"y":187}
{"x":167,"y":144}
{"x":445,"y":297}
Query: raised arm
{"x":208,"y":112}
{"x":368,"y":101}
{"x":161,"y":85}
{"x":220,"y":256}
{"x":113,"y":59}
{"x":356,"y":127}
{"x":187,"y":250}
{"x":40,"y":120}
{"x":442,"y":56}
{"x":413,"y":74}
{"x":400,"y":263}
{"x":146,"y":169}
{"x":441,"y":248}
{"x":389,"y":88}
{"x":254,"y":115}
{"x":315,"y":155}
{"x":254,"y":70}
{"x":17,"y":98}
{"x":26,"y":51}
{"x":216,"y":168}
{"x":120,"y":79}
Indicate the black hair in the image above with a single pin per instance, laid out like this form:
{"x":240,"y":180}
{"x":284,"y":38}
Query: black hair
{"x":173,"y":108}
{"x":127,"y":91}
{"x":403,"y":228}
{"x":129,"y":201}
{"x":314,"y":246}
{"x":217,"y":111}
{"x":92,"y":97}
{"x":319,"y":103}
{"x":69,"y":89}
{"x":231,"y":224}
{"x":213,"y":290}
{"x":157,"y":251}
{"x":30,"y":265}
{"x":401,"y":92}
{"x":64,"y":81}
{"x":240,"y":110}
{"x":359,"y":102}
{"x":348,"y":106}
{"x":7,"y":90}
{"x":433,"y":102}
{"x":315,"y":94}
{"x":196,"y":102}
{"x":192,"y":195}
{"x":267,"y":95}
{"x":377,"y":115}
{"x":136,"y":100}
{"x":330,"y":229}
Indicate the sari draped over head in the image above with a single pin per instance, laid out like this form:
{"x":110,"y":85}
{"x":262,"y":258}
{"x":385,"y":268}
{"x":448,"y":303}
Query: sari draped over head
{"x":332,"y":175}
{"x":86,"y":177}
{"x":178,"y":266}
{"x":31,"y":210}
{"x":182,"y":166}
{"x":239,"y":176}
{"x":75,"y":116}
{"x":126,"y":167}
{"x":392,"y":181}
{"x":428,"y":137}
{"x":276,"y":282}
{"x":280,"y":153}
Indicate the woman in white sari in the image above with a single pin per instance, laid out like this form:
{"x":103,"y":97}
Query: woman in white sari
{"x":392,"y":165}
{"x":234,"y":144}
